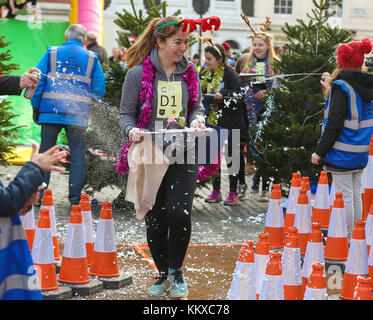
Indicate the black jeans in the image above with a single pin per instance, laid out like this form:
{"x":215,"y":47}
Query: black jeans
{"x":168,"y":223}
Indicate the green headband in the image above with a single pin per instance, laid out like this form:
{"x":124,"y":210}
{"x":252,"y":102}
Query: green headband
{"x":173,"y":23}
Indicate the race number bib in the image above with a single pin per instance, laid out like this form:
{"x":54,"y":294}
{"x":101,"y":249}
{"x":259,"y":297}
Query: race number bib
{"x":169,"y":99}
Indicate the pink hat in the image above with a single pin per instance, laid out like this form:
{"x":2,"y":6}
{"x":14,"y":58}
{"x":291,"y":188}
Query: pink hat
{"x":351,"y":55}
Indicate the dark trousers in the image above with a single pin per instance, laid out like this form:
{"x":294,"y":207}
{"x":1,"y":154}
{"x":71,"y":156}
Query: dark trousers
{"x":235,"y":177}
{"x":168,"y":223}
{"x":76,"y":137}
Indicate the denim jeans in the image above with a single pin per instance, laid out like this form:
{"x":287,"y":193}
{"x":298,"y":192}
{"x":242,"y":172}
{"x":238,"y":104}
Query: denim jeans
{"x":76,"y":137}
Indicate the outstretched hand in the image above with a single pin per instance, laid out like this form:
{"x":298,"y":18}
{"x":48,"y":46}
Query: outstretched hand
{"x":47,"y":160}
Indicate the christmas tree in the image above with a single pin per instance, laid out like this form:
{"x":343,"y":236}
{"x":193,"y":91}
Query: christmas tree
{"x":291,"y":124}
{"x":8,"y":132}
{"x":105,"y":133}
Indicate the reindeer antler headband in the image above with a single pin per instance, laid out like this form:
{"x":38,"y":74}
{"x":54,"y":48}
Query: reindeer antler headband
{"x":264,"y":29}
{"x":206,"y":24}
{"x":209,"y":42}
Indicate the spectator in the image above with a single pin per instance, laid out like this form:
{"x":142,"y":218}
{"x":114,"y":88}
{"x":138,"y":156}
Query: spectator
{"x":258,"y":60}
{"x":14,"y":6}
{"x":92,"y":45}
{"x":224,"y":81}
{"x":230,"y":57}
{"x":196,"y":62}
{"x":64,"y":100}
{"x":117,"y":55}
{"x":16,"y":265}
{"x":347,"y":130}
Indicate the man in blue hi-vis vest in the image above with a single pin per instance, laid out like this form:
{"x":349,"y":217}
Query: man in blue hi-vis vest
{"x":71,"y":77}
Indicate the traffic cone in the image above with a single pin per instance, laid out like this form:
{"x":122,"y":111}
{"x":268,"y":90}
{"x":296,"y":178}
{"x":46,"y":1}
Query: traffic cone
{"x":74,"y":267}
{"x":368,"y":183}
{"x":336,"y":247}
{"x":243,"y":283}
{"x":273,"y":282}
{"x":331,"y":197}
{"x":261,"y":260}
{"x":42,"y":252}
{"x":320,"y":211}
{"x":369,"y":228}
{"x":274,"y":225}
{"x":28,"y":223}
{"x":370,"y":265}
{"x":292,"y":201}
{"x":305,"y":183}
{"x":85,"y":208}
{"x":291,"y":263}
{"x":47,"y":203}
{"x":357,"y":261}
{"x":302,"y":219}
{"x":363,"y":289}
{"x":314,"y":252}
{"x":316,"y":286}
{"x":104,"y":257}
{"x":84,"y":197}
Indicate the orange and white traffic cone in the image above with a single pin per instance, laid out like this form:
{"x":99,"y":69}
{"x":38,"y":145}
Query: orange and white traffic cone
{"x":84,"y":197}
{"x":357,"y":261}
{"x":331,"y":197}
{"x":314,"y":252}
{"x":74,"y":267}
{"x":273,"y":281}
{"x":305,"y":183}
{"x":291,"y":263}
{"x":369,"y":228}
{"x":47,"y":203}
{"x":85,"y":208}
{"x":42,"y":252}
{"x":274,"y":225}
{"x":363,"y":289}
{"x":104,"y":258}
{"x":368,"y":183}
{"x":336,"y":247}
{"x":243,"y":283}
{"x":292,"y":201}
{"x":320,"y":211}
{"x":370,"y":265}
{"x":302,"y":219}
{"x":261,"y":260}
{"x":316,"y":286}
{"x":28,"y":223}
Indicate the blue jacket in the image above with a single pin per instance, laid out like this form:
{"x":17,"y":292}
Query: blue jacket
{"x":74,"y":76}
{"x":18,"y":279}
{"x":351,"y":149}
{"x":14,"y":197}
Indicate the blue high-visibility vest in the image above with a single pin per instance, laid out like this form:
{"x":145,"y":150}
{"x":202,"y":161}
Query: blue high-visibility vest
{"x":18,"y":278}
{"x":68,"y":87}
{"x":351,"y":149}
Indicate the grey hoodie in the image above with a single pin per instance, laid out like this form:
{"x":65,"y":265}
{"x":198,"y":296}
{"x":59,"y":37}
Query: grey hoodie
{"x":130,"y":103}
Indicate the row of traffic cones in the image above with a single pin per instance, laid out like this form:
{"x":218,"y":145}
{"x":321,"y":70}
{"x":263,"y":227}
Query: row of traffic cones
{"x":308,"y":223}
{"x":81,"y":256}
{"x":284,"y":277}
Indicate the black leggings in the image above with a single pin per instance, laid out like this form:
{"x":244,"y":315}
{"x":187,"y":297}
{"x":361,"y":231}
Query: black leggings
{"x":168,"y":223}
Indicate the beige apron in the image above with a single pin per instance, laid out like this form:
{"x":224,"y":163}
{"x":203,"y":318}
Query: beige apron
{"x":147,"y":167}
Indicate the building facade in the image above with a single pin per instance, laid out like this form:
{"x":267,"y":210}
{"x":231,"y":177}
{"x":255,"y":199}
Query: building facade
{"x":353,"y":15}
